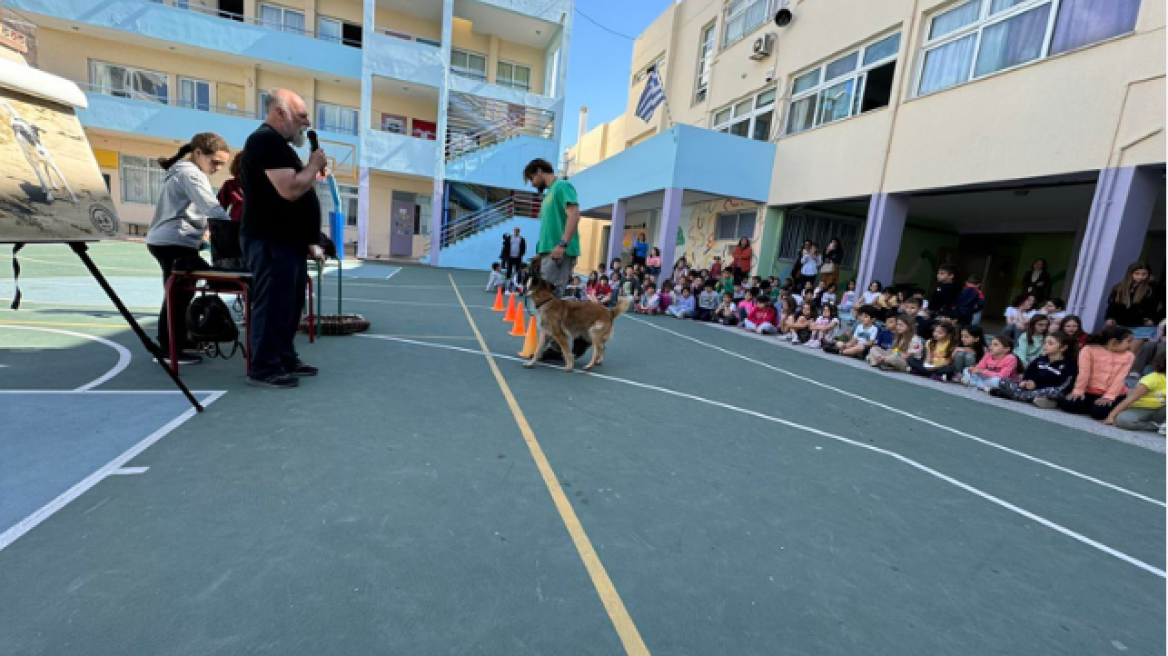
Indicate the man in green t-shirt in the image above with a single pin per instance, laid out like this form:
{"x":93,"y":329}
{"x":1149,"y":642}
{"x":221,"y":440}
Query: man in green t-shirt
{"x":559,"y":216}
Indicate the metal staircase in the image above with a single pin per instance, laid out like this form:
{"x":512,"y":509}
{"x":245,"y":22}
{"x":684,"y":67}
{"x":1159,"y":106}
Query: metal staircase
{"x":517,"y":206}
{"x":475,"y":123}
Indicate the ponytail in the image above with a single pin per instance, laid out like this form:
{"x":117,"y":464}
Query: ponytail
{"x":1105,"y":336}
{"x":167,"y":162}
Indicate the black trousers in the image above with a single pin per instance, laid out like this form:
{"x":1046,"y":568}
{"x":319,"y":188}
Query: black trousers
{"x":1086,"y":406}
{"x":279,"y":278}
{"x":167,"y":256}
{"x":917,"y":365}
{"x":512,"y":265}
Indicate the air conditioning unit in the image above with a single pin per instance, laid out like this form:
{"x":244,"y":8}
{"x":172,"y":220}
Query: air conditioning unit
{"x":763,"y":47}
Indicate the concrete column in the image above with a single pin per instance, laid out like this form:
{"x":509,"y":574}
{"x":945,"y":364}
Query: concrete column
{"x":617,"y":229}
{"x":1116,"y":229}
{"x":667,"y":230}
{"x":492,"y":58}
{"x":882,"y":236}
{"x":438,"y":208}
{"x":363,"y":206}
{"x":768,"y":247}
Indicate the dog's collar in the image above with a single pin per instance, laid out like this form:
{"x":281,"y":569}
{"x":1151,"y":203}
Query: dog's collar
{"x":544,"y":302}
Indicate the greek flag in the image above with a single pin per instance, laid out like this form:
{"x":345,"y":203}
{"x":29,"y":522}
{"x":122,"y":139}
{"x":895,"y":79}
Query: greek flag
{"x":652,"y":96}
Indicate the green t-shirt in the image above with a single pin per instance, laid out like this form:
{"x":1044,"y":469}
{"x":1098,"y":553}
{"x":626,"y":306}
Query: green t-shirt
{"x":553,"y":217}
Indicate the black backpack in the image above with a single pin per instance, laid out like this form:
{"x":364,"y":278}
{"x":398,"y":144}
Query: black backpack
{"x":209,"y":323}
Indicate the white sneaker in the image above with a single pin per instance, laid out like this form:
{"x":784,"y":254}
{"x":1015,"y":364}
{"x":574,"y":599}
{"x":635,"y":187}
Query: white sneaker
{"x":815,"y":343}
{"x":1161,"y":429}
{"x":794,"y":340}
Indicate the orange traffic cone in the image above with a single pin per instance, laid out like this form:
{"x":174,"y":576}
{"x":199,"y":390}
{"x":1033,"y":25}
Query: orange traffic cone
{"x":510,"y":316}
{"x":531,"y":342}
{"x":517,"y":327}
{"x":498,"y":307}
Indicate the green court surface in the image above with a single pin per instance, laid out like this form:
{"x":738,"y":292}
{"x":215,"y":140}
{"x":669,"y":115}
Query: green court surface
{"x":702,"y":493}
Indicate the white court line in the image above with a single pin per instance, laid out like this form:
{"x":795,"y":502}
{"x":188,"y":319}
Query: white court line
{"x":129,"y":471}
{"x":65,"y":498}
{"x":123,"y":352}
{"x":814,"y":431}
{"x":930,"y":422}
{"x":394,"y":273}
{"x":78,"y":263}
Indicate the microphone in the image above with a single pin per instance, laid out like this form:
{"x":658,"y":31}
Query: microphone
{"x":312,"y":140}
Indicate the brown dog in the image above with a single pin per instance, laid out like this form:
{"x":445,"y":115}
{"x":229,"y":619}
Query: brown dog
{"x":564,"y":321}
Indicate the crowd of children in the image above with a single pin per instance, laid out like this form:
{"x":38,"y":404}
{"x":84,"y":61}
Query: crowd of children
{"x":1042,"y":357}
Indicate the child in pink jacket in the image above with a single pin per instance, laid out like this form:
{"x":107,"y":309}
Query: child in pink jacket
{"x":997,"y":364}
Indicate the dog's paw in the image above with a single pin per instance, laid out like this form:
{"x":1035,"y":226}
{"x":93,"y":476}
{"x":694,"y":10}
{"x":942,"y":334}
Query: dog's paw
{"x":587,"y":367}
{"x":568,"y":369}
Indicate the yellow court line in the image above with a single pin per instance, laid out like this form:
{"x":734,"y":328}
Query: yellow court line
{"x":621,"y":620}
{"x":118,"y":326}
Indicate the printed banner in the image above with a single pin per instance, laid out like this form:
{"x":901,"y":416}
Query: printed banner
{"x":50,"y":186}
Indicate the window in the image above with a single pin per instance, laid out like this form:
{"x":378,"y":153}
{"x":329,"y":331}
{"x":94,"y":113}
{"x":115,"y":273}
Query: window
{"x":857,"y":82}
{"x":336,"y":118}
{"x":658,"y":63}
{"x":195,"y":94}
{"x":129,"y":82}
{"x":736,"y":225}
{"x":338,"y":31}
{"x":744,"y":17}
{"x":348,"y":194}
{"x":751,"y":118}
{"x":799,"y":225}
{"x":142,"y":179}
{"x":982,"y":37}
{"x":705,"y":60}
{"x":468,"y":64}
{"x":515,"y":76}
{"x":282,"y":18}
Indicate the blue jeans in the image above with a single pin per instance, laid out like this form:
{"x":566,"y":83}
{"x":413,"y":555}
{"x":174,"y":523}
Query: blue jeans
{"x":279,"y":278}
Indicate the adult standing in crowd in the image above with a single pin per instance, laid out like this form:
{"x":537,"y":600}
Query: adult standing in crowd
{"x":180,"y":222}
{"x":514,"y":248}
{"x":742,"y":258}
{"x":281,"y":225}
{"x":833,"y":258}
{"x":1036,"y":282}
{"x":640,"y":250}
{"x":809,"y":263}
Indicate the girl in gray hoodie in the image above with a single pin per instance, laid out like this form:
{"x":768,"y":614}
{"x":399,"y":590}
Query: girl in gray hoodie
{"x":180,"y":222}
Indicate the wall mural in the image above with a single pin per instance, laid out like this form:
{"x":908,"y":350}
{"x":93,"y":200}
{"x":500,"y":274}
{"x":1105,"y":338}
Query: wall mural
{"x":701,"y":244}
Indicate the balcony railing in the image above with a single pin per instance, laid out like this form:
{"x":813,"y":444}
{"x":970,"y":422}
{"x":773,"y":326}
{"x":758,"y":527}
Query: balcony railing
{"x":241,"y":18}
{"x":132,"y":94}
{"x":415,"y":133}
{"x":475,"y":123}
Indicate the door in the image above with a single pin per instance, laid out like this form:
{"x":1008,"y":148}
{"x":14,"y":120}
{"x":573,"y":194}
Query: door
{"x":401,"y":236}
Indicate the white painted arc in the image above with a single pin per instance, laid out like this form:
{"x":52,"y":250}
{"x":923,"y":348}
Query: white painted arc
{"x":124,"y":356}
{"x":930,"y":422}
{"x":814,"y":431}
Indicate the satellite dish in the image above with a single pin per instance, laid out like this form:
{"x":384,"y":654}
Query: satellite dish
{"x":783,"y":17}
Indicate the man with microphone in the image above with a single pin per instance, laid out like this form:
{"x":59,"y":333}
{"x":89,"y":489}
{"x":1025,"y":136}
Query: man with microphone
{"x":278,"y":232}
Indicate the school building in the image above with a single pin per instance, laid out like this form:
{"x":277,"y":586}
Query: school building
{"x":429,"y":109}
{"x":983,"y":133}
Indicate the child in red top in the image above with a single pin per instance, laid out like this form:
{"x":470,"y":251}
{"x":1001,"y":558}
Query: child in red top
{"x":716,"y":267}
{"x":997,"y":365}
{"x":1103,"y":364}
{"x":762,"y":318}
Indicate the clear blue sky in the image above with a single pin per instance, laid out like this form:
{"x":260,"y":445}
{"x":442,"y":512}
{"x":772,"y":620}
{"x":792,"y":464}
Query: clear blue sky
{"x":598,"y":67}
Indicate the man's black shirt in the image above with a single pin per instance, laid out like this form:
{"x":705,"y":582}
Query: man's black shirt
{"x":266,"y":214}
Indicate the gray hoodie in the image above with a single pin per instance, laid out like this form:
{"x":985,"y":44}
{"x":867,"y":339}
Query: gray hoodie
{"x":187,"y":201}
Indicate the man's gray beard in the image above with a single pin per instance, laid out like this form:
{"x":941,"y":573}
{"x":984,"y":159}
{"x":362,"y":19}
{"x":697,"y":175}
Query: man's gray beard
{"x":297,"y":139}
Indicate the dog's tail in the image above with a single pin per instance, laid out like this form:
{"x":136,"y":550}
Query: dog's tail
{"x":622,"y":306}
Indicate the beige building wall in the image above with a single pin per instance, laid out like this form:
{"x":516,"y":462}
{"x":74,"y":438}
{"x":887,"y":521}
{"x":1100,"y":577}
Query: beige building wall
{"x":381,"y":188}
{"x":417,"y":26}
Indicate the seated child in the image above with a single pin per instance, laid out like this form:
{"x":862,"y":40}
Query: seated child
{"x":847,"y":301}
{"x":727,"y":285}
{"x":970,"y":301}
{"x":739,"y":293}
{"x":1103,"y":364}
{"x":905,"y":344}
{"x":727,"y":311}
{"x":997,"y":365}
{"x":1143,"y":409}
{"x":863,"y":335}
{"x":798,"y":327}
{"x":518,"y":284}
{"x":828,"y":297}
{"x":1030,"y":342}
{"x":707,"y":303}
{"x":746,"y":305}
{"x":762,"y":318}
{"x":938,"y":360}
{"x":1048,"y":377}
{"x":971,"y":348}
{"x":602,"y":293}
{"x":825,"y":327}
{"x":650,"y":302}
{"x":683,"y":307}
{"x":716,"y":268}
{"x":496,"y":277}
{"x":666,"y":296}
